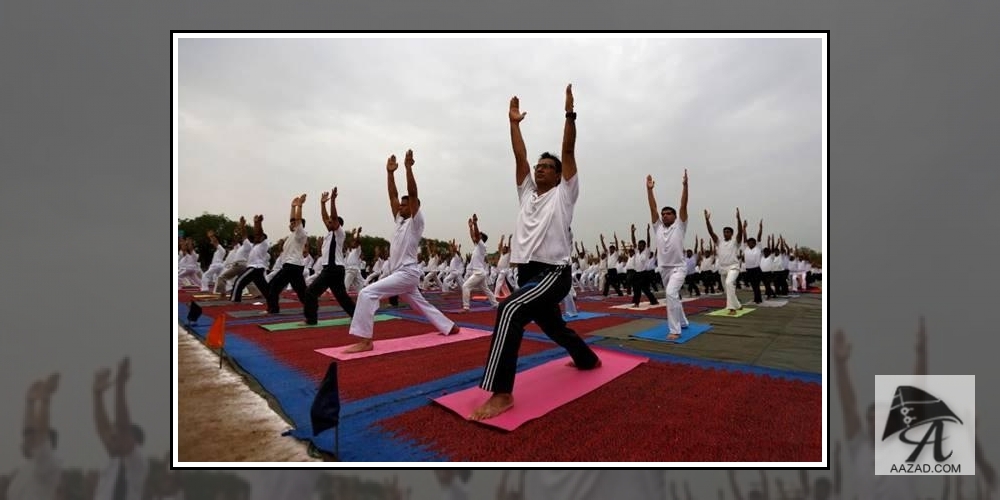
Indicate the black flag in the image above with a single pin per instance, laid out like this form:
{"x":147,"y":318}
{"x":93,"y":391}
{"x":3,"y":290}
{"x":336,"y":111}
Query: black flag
{"x":194,"y":312}
{"x":325,"y":411}
{"x":912,"y":407}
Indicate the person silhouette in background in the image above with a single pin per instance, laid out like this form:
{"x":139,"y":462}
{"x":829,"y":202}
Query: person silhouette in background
{"x":38,"y":478}
{"x":125,"y":475}
{"x":454,"y":483}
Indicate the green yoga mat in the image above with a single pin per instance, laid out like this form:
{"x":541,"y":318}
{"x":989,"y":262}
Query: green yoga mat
{"x":295,"y":325}
{"x":725,"y":312}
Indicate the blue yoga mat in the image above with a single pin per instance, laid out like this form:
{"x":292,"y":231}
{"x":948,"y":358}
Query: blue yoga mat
{"x":659,"y":333}
{"x":584,"y":315}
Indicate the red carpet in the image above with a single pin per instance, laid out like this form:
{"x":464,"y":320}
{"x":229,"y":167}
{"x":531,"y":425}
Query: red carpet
{"x":678,"y":413}
{"x":361,"y":378}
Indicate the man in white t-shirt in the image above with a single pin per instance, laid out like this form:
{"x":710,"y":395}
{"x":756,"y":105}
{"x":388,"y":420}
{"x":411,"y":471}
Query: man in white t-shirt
{"x":217,"y":265}
{"x":477,"y":265}
{"x":594,"y":484}
{"x":669,"y":228}
{"x":353,"y":263}
{"x":39,"y":476}
{"x":291,"y":269}
{"x":727,"y":260}
{"x":236,"y":261}
{"x":124,"y":478}
{"x":402,"y":274}
{"x":752,"y":258}
{"x":332,"y":259}
{"x":611,"y":279}
{"x":257,"y":259}
{"x":504,"y":271}
{"x":541,"y":251}
{"x":640,"y":279}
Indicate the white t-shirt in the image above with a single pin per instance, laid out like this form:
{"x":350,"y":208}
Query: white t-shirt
{"x":259,"y":256}
{"x":669,"y":243}
{"x":353,"y":259}
{"x":784,"y":262}
{"x":37,"y":478}
{"x":612,"y":262}
{"x":727,"y":252}
{"x":243,"y":252}
{"x":708,"y":264}
{"x":751,"y":256}
{"x":338,"y":249}
{"x":630,"y":263}
{"x":294,"y":244}
{"x":478,"y":262}
{"x":281,"y":484}
{"x":766,"y":264}
{"x":869,"y":486}
{"x":504,"y":262}
{"x":542,"y":233}
{"x":405,"y":242}
{"x":651,"y":260}
{"x":691,"y":264}
{"x":642,"y":484}
{"x":457,"y":264}
{"x":136,"y":471}
{"x":219,"y":256}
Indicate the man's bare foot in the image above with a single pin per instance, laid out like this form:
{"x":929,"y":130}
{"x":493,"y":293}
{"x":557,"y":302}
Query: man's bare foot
{"x":732,"y":312}
{"x":497,"y":404}
{"x":573,"y":365}
{"x":673,"y":336}
{"x":454,"y":330}
{"x":364,"y":345}
{"x":463,"y":310}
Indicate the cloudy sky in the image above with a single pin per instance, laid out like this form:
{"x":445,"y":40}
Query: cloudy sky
{"x":261,"y":121}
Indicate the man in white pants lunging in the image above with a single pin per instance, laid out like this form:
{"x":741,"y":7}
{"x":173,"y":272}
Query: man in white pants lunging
{"x":477,"y":280}
{"x":402,"y":274}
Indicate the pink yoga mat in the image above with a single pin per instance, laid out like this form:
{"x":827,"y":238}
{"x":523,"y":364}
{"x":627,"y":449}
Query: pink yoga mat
{"x":406,"y":344}
{"x":544,"y":388}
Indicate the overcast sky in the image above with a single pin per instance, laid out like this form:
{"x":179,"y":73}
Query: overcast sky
{"x":261,"y":121}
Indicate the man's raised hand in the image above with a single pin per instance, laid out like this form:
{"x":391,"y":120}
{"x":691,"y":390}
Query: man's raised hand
{"x":515,"y":114}
{"x":569,"y":98}
{"x":841,"y":348}
{"x":408,"y":161}
{"x":708,"y":216}
{"x":333,"y":194}
{"x":102,"y":380}
{"x":325,"y":197}
{"x":390,"y":164}
{"x":685,"y":181}
{"x":649,"y":182}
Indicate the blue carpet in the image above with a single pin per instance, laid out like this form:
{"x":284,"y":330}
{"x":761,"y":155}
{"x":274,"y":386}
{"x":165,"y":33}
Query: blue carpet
{"x":659,"y":333}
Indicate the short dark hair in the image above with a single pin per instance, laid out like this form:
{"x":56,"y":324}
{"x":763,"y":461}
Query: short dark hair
{"x":340,"y":220}
{"x":671,"y":209}
{"x":751,"y":240}
{"x":483,"y":237}
{"x":303,"y":222}
{"x":549,"y":156}
{"x":727,"y":228}
{"x":404,"y":197}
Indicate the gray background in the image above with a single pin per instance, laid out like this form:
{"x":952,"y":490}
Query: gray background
{"x":84,"y":201}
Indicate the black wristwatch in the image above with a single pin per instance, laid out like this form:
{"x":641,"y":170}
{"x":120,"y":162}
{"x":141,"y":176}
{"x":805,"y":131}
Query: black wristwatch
{"x":571,"y":115}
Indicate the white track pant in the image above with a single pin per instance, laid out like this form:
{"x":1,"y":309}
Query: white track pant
{"x":403,"y":282}
{"x":431,"y":278}
{"x":505,"y":276}
{"x":189,"y":276}
{"x":352,"y":280}
{"x":211,"y":276}
{"x":673,"y":281}
{"x":569,"y":304}
{"x":453,"y":280}
{"x":729,"y":277}
{"x":477,"y":282}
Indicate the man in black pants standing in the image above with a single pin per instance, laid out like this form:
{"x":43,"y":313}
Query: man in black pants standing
{"x":752,"y":256}
{"x":542,"y":253}
{"x":332,"y":260}
{"x":640,"y":280}
{"x":611,"y":278}
{"x":291,"y":270}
